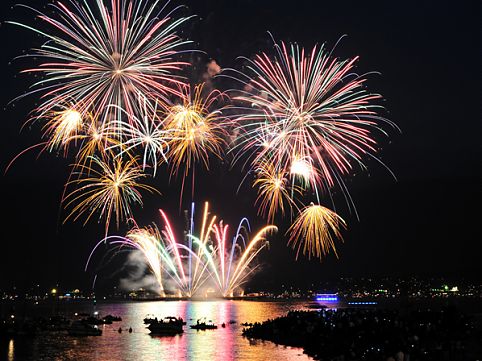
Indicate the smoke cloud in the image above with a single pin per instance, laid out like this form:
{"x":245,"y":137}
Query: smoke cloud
{"x":139,"y":275}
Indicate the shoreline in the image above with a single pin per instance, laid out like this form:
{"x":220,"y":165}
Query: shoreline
{"x":354,"y":333}
{"x":469,"y":304}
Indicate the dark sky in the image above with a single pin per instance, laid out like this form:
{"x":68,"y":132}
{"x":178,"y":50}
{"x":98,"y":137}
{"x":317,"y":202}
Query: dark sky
{"x":426,"y":222}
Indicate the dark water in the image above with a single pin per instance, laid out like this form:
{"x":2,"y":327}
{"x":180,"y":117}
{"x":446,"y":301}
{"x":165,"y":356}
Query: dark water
{"x":221,"y":344}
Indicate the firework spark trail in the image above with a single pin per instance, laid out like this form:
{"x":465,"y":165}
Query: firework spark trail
{"x":93,"y":139}
{"x":145,"y":240}
{"x":273,"y":190}
{"x":165,"y":251}
{"x":197,"y":130}
{"x":62,"y":128}
{"x":159,"y":255}
{"x":168,"y":233}
{"x":107,"y":55}
{"x":107,"y":188}
{"x":242,"y":270}
{"x":144,"y":131}
{"x":206,"y":228}
{"x":220,"y":231}
{"x":228,"y":272}
{"x":314,"y":231}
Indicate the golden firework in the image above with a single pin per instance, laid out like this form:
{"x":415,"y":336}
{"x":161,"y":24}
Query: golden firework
{"x":95,"y":139}
{"x":106,"y":187}
{"x":273,"y":193}
{"x":62,"y":127}
{"x":315,"y":230}
{"x":195,"y":130}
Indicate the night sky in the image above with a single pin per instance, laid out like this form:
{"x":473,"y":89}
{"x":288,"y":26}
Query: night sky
{"x":427,"y":222}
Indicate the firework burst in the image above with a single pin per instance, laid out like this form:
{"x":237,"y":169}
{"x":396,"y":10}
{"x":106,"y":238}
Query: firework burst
{"x":208,"y":259}
{"x":95,"y":139}
{"x":145,"y":132}
{"x":230,"y":271}
{"x":160,"y":251}
{"x":107,"y":188}
{"x":315,"y":230}
{"x":62,"y":128}
{"x":196,"y":130}
{"x":308,"y":114}
{"x":147,"y":241}
{"x":273,"y":190}
{"x":107,"y":54}
{"x":110,"y":83}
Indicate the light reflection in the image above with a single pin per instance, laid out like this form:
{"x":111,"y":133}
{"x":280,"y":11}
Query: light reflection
{"x":220,"y":344}
{"x":227,"y":344}
{"x":11,"y":350}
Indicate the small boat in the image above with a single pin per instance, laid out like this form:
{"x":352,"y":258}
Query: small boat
{"x":109,"y":319}
{"x":81,"y":328}
{"x":149,"y":319}
{"x":204,"y":325}
{"x":166,"y":326}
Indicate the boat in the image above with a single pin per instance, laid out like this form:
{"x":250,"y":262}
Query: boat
{"x":209,"y":325}
{"x":149,"y":319}
{"x":166,"y":326}
{"x":82,"y":328}
{"x":109,"y":319}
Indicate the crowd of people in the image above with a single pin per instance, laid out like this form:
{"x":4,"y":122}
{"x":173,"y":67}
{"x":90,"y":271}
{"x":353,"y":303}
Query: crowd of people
{"x":373,"y":334}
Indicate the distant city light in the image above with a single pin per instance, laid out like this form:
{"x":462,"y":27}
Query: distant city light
{"x":362,"y":303}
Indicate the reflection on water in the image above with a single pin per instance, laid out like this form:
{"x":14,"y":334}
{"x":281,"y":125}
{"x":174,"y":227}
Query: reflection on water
{"x":11,"y":350}
{"x":221,"y":344}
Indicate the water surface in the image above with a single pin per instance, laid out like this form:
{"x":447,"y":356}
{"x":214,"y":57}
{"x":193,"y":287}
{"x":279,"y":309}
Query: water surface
{"x":221,"y":344}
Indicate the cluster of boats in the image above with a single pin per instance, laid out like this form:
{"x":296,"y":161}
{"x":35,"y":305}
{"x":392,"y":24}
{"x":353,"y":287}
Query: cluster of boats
{"x":88,"y":325}
{"x":172,"y":325}
{"x":82,"y":325}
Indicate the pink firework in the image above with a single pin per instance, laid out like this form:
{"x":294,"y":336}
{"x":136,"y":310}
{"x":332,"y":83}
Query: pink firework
{"x":107,"y":54}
